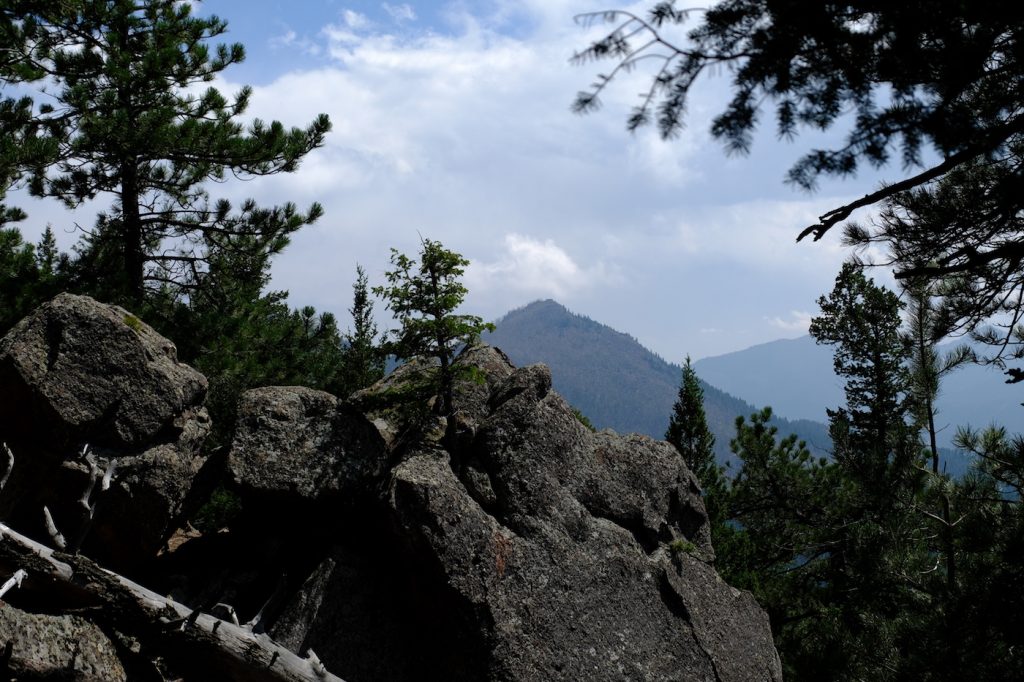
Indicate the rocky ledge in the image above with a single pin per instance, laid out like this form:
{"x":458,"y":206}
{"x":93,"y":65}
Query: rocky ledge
{"x":507,"y":542}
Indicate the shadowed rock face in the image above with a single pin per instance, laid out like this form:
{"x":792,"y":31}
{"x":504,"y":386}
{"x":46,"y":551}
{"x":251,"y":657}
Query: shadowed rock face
{"x":79,"y":372}
{"x":295,"y":444}
{"x":507,"y":542}
{"x":58,"y":648}
{"x":538,"y":549}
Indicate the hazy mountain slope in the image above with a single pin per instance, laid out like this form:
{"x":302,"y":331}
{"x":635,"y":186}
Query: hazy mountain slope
{"x":795,"y":376}
{"x":613,"y":380}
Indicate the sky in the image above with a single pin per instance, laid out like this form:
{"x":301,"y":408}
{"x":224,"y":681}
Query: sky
{"x":451,"y":121}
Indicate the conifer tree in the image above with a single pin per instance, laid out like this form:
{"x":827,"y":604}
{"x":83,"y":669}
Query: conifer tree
{"x":133,"y":123}
{"x":241,"y":336}
{"x":838,"y":550}
{"x":925,"y":328}
{"x":688,"y":428}
{"x":362,"y":359}
{"x":424,"y":297}
{"x":23,"y":142}
{"x":861,"y":322}
{"x":878,"y":537}
{"x":29,"y":274}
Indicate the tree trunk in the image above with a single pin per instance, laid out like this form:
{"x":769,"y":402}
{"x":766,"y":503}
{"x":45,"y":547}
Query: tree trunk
{"x":132,"y":237}
{"x":198,"y":644}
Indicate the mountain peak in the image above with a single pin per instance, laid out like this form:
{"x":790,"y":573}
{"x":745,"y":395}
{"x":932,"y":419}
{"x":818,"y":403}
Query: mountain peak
{"x":611,"y":377}
{"x":545,"y":306}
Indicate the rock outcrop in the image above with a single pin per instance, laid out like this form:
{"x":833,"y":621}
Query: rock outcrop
{"x":45,"y":647}
{"x":539,"y":549}
{"x":295,"y":445}
{"x":506,"y":542}
{"x":78,"y":372}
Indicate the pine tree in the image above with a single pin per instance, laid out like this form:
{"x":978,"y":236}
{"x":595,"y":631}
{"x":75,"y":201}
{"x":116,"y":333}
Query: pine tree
{"x":241,"y":336}
{"x":424,"y":297}
{"x":944,"y":75}
{"x":776,"y":541}
{"x":362,"y":360}
{"x":29,"y":275}
{"x":134,"y":124}
{"x":878,"y":536}
{"x":861,"y":322}
{"x":688,"y":428}
{"x":48,"y":256}
{"x":838,"y":550}
{"x":928,"y":366}
{"x":18,"y":274}
{"x":23,"y":142}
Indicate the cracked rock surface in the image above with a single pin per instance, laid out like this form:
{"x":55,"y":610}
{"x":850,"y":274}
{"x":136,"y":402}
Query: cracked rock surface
{"x":77,"y":372}
{"x":506,"y":542}
{"x":535,"y":547}
{"x":45,"y":647}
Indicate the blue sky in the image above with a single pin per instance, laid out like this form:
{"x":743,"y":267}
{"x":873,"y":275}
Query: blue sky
{"x":451,"y":121}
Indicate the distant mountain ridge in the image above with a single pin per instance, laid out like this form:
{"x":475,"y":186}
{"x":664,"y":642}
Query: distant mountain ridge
{"x":796,"y":377}
{"x":616,"y":382}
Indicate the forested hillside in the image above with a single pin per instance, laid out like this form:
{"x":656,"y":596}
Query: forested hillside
{"x":616,"y":382}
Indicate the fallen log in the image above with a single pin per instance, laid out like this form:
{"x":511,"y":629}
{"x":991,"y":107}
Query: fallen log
{"x":201,"y":644}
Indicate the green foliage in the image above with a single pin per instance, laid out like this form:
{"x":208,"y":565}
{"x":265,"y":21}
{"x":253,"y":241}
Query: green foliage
{"x":925,"y":327}
{"x":870,"y":565}
{"x":870,"y":434}
{"x":688,"y":429}
{"x":29,"y":275}
{"x":133,"y":322}
{"x":133,"y":120}
{"x":582,"y":419}
{"x":241,"y":336}
{"x":900,"y":77}
{"x":944,"y":74}
{"x":24,"y":144}
{"x":131,"y":113}
{"x":218,"y":512}
{"x":682,"y":547}
{"x":960,"y":236}
{"x":838,"y":550}
{"x":424,"y":297}
{"x":362,"y":361}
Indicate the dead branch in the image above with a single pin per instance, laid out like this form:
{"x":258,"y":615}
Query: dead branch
{"x":51,"y":528}
{"x":13,"y":581}
{"x":221,"y":649}
{"x":10,"y":466}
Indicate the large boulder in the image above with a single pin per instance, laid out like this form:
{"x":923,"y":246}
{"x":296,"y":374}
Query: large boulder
{"x":537,"y":548}
{"x":294,"y":444}
{"x":62,"y":647}
{"x":78,"y":372}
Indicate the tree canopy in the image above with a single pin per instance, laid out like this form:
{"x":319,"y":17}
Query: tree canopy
{"x":688,"y":428}
{"x":905,"y":79}
{"x":872,"y":565}
{"x":424,"y":296}
{"x":131,"y":119}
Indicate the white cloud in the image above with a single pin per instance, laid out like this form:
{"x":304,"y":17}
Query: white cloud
{"x":466,"y":137}
{"x":797,"y":323}
{"x":291,"y":39}
{"x":400,"y":13}
{"x":355,"y":20}
{"x":533,"y":268}
{"x":462,"y":133}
